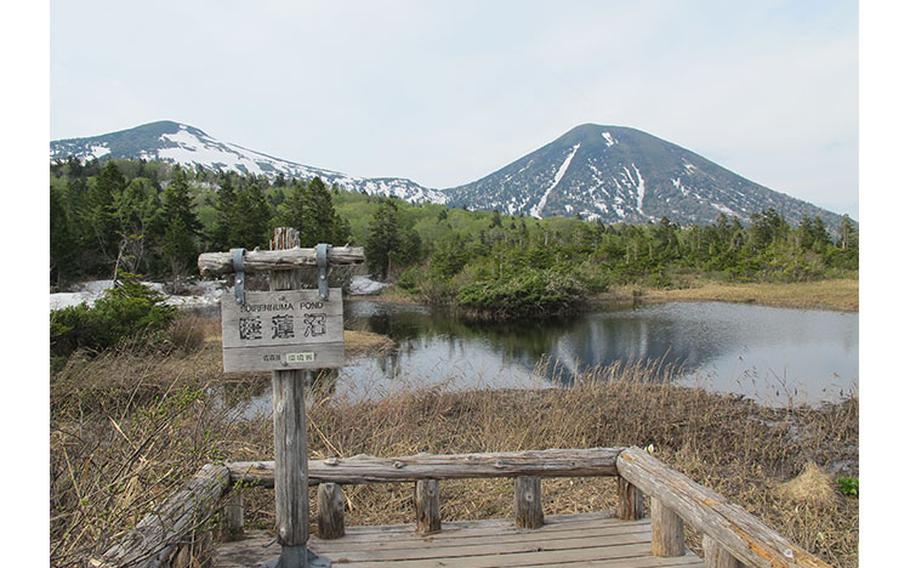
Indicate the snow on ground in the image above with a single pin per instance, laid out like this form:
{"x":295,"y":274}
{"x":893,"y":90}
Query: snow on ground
{"x":364,"y":286}
{"x":99,"y":150}
{"x":641,"y":188}
{"x":724,"y":209}
{"x":203,"y":293}
{"x":538,"y":209}
{"x":609,"y":138}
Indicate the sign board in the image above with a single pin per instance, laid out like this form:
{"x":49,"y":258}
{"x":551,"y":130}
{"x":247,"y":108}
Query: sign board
{"x":290,"y":329}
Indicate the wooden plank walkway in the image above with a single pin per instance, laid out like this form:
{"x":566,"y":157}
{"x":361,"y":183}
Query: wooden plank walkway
{"x":590,"y":539}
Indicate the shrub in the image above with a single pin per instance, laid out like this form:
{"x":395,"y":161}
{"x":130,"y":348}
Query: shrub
{"x":126,"y":311}
{"x":532,"y":293}
{"x":849,"y":486}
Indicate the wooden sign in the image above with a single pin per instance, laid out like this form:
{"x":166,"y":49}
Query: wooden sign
{"x":292,"y":329}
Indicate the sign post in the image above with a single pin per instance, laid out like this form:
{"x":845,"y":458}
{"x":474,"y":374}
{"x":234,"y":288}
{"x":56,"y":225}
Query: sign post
{"x":288,"y":331}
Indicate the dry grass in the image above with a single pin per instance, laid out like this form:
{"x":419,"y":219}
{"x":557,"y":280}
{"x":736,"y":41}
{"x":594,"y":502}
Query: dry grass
{"x":126,"y":431}
{"x":812,"y":485}
{"x":840,"y":294}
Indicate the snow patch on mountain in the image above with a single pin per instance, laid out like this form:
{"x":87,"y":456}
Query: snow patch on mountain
{"x":537,"y":209}
{"x":609,"y":138}
{"x":191,"y":147}
{"x":641,"y":189}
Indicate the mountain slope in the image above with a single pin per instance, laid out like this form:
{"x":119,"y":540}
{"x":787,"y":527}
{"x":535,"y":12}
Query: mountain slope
{"x":616,"y":174}
{"x":189,"y":146}
{"x":612,"y":173}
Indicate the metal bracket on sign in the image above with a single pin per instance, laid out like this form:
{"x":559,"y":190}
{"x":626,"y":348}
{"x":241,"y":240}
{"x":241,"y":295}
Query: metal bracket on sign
{"x":322,"y":263}
{"x":239,"y":275}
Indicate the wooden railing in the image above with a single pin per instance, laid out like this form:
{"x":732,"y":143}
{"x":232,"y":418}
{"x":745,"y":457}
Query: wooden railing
{"x":731,"y":536}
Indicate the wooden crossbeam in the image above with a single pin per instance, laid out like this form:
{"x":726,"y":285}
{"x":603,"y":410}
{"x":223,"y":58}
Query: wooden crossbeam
{"x":219,"y":263}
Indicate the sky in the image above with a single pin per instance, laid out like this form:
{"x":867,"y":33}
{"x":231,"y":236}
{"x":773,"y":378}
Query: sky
{"x":447,"y":92}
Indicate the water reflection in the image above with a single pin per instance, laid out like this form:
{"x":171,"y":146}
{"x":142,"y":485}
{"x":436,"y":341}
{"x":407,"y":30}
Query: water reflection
{"x":773,"y":355}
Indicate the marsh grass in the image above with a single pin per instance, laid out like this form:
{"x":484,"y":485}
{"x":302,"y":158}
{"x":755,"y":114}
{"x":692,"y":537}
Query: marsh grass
{"x":127,"y":430}
{"x":832,"y":294}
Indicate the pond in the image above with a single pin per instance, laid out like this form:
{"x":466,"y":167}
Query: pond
{"x":776,"y":356}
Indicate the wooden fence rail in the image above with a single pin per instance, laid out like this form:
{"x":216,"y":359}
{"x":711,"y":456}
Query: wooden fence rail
{"x":157,"y":539}
{"x":745,"y":537}
{"x":592,"y":462}
{"x":732,"y":537}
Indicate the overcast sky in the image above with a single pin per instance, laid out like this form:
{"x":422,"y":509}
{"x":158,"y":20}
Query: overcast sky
{"x":447,"y":92}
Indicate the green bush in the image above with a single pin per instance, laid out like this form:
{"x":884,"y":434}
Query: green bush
{"x":126,"y":311}
{"x":531,"y":293}
{"x":849,"y":486}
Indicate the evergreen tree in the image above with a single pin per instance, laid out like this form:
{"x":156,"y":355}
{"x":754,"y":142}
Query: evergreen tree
{"x":311,"y":211}
{"x":140,"y":224}
{"x":384,"y":239}
{"x":179,"y":203}
{"x":179,"y":247}
{"x":224,"y":205}
{"x":847,"y":236}
{"x":183,"y":227}
{"x":99,"y":213}
{"x":251,"y":216}
{"x":63,"y":243}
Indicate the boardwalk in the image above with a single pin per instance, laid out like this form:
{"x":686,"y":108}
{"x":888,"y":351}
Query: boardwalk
{"x":592,"y":539}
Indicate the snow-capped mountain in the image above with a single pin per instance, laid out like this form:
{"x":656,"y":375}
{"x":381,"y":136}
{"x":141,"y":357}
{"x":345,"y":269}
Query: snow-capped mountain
{"x":186,"y":145}
{"x":612,"y":173}
{"x":617,"y":174}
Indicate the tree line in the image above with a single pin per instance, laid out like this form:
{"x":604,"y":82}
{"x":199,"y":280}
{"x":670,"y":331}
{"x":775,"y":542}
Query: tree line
{"x":145,"y":217}
{"x":154,"y":219}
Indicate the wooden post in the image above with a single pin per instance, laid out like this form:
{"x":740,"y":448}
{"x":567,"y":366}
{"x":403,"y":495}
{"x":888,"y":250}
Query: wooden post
{"x":667,"y":537}
{"x":330,"y":511}
{"x":426,"y":504}
{"x":289,"y":418}
{"x":716,"y":556}
{"x":232,"y":513}
{"x":528,"y":507}
{"x":631,"y":506}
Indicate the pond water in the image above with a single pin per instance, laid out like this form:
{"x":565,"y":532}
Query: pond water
{"x":776,"y":356}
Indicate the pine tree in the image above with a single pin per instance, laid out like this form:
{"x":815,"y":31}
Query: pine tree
{"x":179,"y":247}
{"x":63,"y":244}
{"x":183,"y":227}
{"x":99,"y":213}
{"x":179,"y":203}
{"x":310,"y":209}
{"x":250,"y":217}
{"x":847,"y":234}
{"x":224,"y":213}
{"x":383,"y":239}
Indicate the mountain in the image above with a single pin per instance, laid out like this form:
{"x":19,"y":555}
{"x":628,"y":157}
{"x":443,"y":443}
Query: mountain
{"x":613,"y":173}
{"x":617,"y":173}
{"x":186,"y":145}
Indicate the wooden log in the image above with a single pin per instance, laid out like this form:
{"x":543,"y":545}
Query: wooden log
{"x":330,"y":511}
{"x":289,"y":419}
{"x":426,"y":505}
{"x":593,"y":462}
{"x":232,"y":513}
{"x":716,"y":556}
{"x":667,"y":536}
{"x":219,"y":263}
{"x":157,"y":539}
{"x":745,"y":537}
{"x":631,"y":506}
{"x":528,"y":505}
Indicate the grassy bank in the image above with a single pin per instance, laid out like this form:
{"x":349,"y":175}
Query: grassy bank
{"x":128,"y":429}
{"x":841,"y":294}
{"x":838,"y":294}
